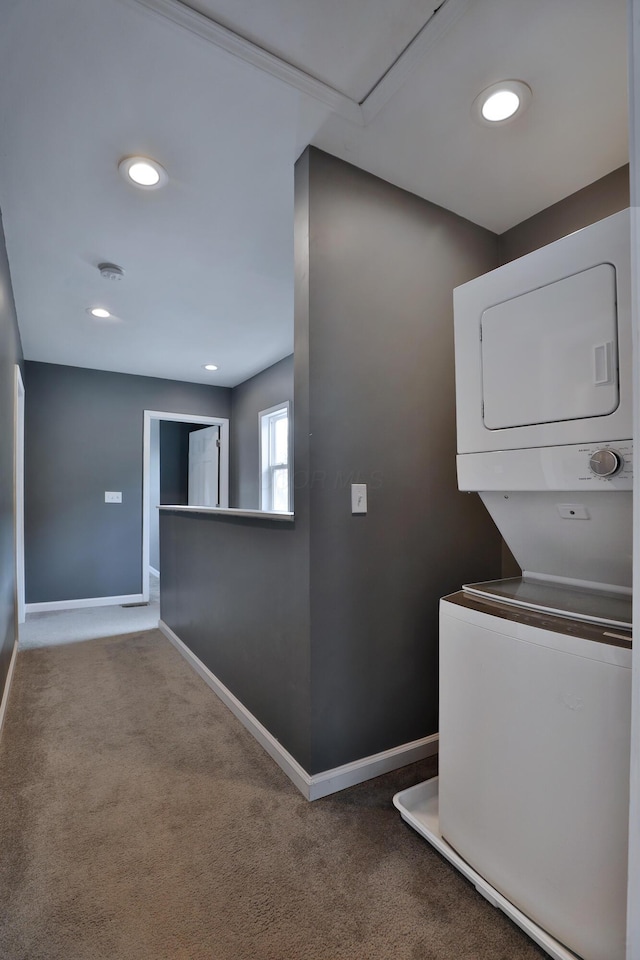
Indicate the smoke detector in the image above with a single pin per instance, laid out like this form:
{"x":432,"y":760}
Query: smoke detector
{"x":111,"y":271}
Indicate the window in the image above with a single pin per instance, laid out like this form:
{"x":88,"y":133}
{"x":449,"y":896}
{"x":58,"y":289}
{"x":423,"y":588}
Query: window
{"x":275,"y":456}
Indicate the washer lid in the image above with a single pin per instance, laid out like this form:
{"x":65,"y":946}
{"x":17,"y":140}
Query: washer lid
{"x":594,"y":606}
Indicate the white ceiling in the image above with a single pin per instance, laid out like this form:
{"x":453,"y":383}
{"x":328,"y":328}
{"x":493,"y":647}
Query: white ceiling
{"x":208,"y":259}
{"x":348,"y":45}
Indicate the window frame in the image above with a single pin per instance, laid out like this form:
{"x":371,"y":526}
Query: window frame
{"x":267,"y":468}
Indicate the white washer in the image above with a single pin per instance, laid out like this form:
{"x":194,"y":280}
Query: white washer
{"x":535,"y":683}
{"x":534,"y":762}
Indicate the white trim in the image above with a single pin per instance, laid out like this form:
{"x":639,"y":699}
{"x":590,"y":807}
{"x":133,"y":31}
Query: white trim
{"x":358,"y":113}
{"x":262,"y":487}
{"x":150,"y":415}
{"x":633,"y":891}
{"x":320,"y":784}
{"x":229,"y":512}
{"x":275,"y":749}
{"x":7,"y":685}
{"x":18,"y":491}
{"x":48,"y":605}
{"x":207,"y":29}
{"x":154,"y":572}
{"x":275,"y":409}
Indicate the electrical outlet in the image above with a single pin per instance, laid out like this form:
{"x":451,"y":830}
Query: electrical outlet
{"x":573,"y":511}
{"x":112,"y":496}
{"x":358,"y":498}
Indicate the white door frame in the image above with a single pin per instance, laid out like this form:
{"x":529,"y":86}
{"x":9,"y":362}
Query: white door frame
{"x":150,"y":415}
{"x":633,"y":896}
{"x":18,"y":491}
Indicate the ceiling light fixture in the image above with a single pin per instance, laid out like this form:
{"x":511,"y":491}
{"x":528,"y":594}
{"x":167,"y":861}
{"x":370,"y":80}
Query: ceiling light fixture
{"x":209,"y":366}
{"x":99,"y":312}
{"x":502,"y":102}
{"x":110,"y":271}
{"x":143,"y":172}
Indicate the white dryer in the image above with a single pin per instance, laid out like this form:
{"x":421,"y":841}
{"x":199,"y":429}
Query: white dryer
{"x":532,"y":797}
{"x":544,"y":404}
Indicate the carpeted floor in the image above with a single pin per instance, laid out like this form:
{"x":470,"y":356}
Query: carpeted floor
{"x":140,"y":821}
{"x":90,"y":623}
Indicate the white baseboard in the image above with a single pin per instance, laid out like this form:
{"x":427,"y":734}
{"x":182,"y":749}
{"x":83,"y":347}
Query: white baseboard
{"x":320,"y":784}
{"x":276,"y":751}
{"x":330,"y":781}
{"x":7,"y":686}
{"x":88,"y":602}
{"x":152,"y":570}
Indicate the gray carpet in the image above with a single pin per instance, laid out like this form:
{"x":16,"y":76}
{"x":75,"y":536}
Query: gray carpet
{"x":140,"y":821}
{"x":90,"y":623}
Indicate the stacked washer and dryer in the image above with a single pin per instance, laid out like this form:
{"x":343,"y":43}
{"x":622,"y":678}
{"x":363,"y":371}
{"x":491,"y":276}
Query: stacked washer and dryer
{"x":531,"y":802}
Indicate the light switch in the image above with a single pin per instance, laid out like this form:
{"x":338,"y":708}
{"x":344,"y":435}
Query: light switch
{"x":358,"y":498}
{"x":112,"y":496}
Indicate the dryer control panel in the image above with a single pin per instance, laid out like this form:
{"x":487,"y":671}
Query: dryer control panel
{"x":606,"y":462}
{"x":601,"y":465}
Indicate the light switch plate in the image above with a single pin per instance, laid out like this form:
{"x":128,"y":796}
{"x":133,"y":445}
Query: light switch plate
{"x":358,"y":498}
{"x":112,"y":496}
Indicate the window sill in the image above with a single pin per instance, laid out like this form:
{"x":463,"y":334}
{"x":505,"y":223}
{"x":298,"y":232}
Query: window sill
{"x":230,"y":512}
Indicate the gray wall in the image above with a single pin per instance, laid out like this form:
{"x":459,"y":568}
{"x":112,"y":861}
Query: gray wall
{"x":266,"y":389}
{"x":10,"y":354}
{"x":327,"y":630}
{"x":235,"y":591}
{"x":84,"y":436}
{"x":594,"y":202}
{"x":382,"y":265}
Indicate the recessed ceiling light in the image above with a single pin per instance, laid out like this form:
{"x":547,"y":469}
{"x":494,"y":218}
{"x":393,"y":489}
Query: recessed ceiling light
{"x":209,"y":366}
{"x":99,"y":312}
{"x":143,"y":172}
{"x":500,"y":105}
{"x":502,"y":102}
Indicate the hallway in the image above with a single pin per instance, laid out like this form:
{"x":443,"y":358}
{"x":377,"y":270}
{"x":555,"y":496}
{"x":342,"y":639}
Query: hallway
{"x":141,"y":820}
{"x":72,"y":626}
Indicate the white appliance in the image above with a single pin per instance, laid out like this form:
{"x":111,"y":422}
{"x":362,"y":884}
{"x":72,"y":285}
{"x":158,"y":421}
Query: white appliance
{"x":535,"y":683}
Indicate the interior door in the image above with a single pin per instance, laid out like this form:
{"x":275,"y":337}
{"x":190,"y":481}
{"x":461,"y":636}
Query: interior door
{"x":204,"y":467}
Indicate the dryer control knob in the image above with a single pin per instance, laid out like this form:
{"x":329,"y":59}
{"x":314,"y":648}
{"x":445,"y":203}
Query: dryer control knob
{"x":605,"y":463}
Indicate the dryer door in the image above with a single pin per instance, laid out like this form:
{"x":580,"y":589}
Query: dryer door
{"x":552,"y":354}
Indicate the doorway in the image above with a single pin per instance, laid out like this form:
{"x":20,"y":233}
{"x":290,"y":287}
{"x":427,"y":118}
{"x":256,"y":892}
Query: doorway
{"x":204,"y":461}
